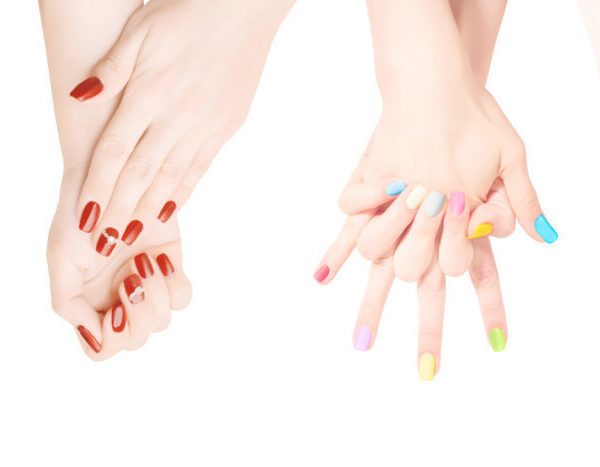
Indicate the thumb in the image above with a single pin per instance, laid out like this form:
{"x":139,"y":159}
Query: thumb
{"x":113,"y":71}
{"x":523,"y":198}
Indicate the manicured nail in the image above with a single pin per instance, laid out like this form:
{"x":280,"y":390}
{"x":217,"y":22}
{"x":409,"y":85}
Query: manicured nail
{"x":362,"y":340}
{"x":89,"y":338}
{"x":457,"y":203}
{"x":87,"y":89}
{"x":435,"y":203}
{"x":165,"y":265}
{"x":167,"y":211}
{"x":132,"y":232}
{"x":321,"y":274}
{"x":118,"y":318}
{"x":143,"y":265}
{"x":426,"y":367}
{"x":89,"y":216}
{"x":415,"y":197}
{"x":134,"y":289}
{"x":546,"y":231}
{"x":481,"y":230}
{"x":107,"y":241}
{"x":395,"y":188}
{"x":497,"y":339}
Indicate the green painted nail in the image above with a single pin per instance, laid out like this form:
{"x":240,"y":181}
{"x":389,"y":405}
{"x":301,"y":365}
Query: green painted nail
{"x":497,"y":339}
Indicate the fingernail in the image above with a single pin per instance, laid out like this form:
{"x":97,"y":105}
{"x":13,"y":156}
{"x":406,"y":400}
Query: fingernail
{"x":395,"y":188}
{"x":165,"y":265}
{"x":132,"y":232}
{"x":497,"y":339}
{"x":435,"y":203}
{"x":457,"y":203}
{"x":89,"y":338}
{"x":107,"y":241}
{"x":89,"y":216}
{"x":143,"y":265}
{"x":481,"y":230}
{"x":118,"y":318}
{"x":134,"y":289}
{"x":362,"y":340}
{"x":545,"y":229}
{"x":321,"y":274}
{"x":415,"y":197}
{"x":87,"y":89}
{"x":426,"y":367}
{"x":167,"y":211}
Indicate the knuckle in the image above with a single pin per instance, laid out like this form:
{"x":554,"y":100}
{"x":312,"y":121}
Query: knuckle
{"x":484,"y":275}
{"x":113,"y":63}
{"x":432,"y":286}
{"x":171,"y":170}
{"x":430,"y":335}
{"x":112,"y":147}
{"x":140,"y":169}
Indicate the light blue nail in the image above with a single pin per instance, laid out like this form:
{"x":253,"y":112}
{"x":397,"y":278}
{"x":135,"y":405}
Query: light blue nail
{"x":435,"y":203}
{"x":546,"y":231}
{"x":395,"y":188}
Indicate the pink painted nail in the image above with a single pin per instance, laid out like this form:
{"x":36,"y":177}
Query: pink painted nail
{"x":362,"y":340}
{"x":321,"y":273}
{"x":457,"y":203}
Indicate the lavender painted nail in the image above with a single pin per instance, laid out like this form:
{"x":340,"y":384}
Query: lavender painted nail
{"x":362,"y":339}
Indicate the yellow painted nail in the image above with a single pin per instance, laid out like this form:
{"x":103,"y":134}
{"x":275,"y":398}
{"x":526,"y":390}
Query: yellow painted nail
{"x":415,"y":197}
{"x":426,"y":367}
{"x":481,"y":230}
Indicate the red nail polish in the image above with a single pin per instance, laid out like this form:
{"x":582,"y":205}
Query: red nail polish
{"x":132,"y":232}
{"x":118,"y":318}
{"x":165,"y":265}
{"x":143,"y":265}
{"x":89,"y":338}
{"x":87,"y":89}
{"x":89,"y":216}
{"x":321,"y":273}
{"x":134,"y":289}
{"x":107,"y":241}
{"x":167,"y":211}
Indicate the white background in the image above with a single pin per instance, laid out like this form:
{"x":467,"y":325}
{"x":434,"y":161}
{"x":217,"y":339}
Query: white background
{"x":259,"y":369}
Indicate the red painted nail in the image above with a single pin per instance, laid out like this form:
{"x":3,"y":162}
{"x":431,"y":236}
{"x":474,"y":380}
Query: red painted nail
{"x":143,"y":265}
{"x":107,"y":241}
{"x":118,"y":318}
{"x":134,"y":289}
{"x":87,"y":89}
{"x":89,"y":216}
{"x":165,"y":265}
{"x":321,"y":273}
{"x":89,"y":338}
{"x":167,"y":211}
{"x":132,"y":232}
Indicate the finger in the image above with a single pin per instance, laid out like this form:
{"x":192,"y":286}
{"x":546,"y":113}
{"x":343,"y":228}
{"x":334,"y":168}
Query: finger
{"x":415,"y":252}
{"x":523,"y":197}
{"x":154,"y":282}
{"x":431,"y":292}
{"x":486,"y":282}
{"x":169,"y":260}
{"x":362,"y":196}
{"x":494,"y":217}
{"x":341,"y":248}
{"x":455,"y":251}
{"x":115,"y":331}
{"x":139,"y":309}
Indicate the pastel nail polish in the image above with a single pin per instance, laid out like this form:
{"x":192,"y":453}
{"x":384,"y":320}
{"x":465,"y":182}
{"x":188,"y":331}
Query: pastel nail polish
{"x":143,"y":265}
{"x":132,"y":232}
{"x":87,"y":89}
{"x":167,"y":211}
{"x":321,"y":274}
{"x":165,"y":265}
{"x":362,"y":339}
{"x":89,"y":217}
{"x":435,"y":203}
{"x":107,"y":241}
{"x":89,"y":338}
{"x":545,"y":229}
{"x":118,"y":318}
{"x":426,"y":367}
{"x":481,"y":230}
{"x":457,"y":203}
{"x":395,"y":188}
{"x":134,"y":289}
{"x":415,"y":197}
{"x":497,"y":340}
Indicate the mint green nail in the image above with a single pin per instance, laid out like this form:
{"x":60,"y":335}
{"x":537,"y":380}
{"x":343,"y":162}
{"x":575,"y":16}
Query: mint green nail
{"x":497,"y":339}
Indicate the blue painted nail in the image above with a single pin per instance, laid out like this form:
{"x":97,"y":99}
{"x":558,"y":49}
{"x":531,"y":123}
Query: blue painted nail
{"x":435,"y":203}
{"x":395,"y":188}
{"x":546,"y":231}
